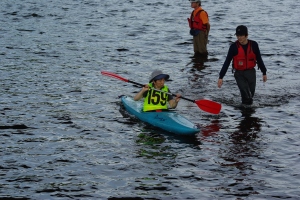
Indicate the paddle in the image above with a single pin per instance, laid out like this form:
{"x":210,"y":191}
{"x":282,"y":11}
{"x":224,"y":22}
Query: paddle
{"x":203,"y":104}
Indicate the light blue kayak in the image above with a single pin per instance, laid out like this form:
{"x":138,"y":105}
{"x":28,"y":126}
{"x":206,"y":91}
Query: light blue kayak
{"x":167,"y":120}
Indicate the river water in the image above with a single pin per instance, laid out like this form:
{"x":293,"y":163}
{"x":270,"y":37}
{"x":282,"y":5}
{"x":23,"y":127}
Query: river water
{"x":64,"y":134}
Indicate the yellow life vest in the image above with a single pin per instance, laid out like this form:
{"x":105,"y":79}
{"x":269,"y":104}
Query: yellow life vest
{"x":156,"y":100}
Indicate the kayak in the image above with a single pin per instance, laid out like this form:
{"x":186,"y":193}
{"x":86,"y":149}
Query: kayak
{"x":167,"y":120}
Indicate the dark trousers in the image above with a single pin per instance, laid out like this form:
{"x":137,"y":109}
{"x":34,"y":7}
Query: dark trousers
{"x":246,"y":81}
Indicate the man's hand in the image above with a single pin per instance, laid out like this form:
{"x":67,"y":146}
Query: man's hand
{"x":220,"y":83}
{"x":264,"y":78}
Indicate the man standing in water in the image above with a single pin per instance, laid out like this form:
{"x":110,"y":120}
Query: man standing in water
{"x":199,"y":24}
{"x":245,"y":54}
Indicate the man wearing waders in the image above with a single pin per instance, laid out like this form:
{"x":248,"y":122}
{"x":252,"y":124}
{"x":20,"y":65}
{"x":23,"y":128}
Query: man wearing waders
{"x":199,"y":28}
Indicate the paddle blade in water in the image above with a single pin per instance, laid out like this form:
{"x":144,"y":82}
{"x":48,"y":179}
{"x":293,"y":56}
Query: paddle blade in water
{"x":209,"y":106}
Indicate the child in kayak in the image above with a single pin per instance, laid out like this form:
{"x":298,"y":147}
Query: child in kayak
{"x":155,"y":93}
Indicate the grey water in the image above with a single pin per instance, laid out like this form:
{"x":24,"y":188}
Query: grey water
{"x":64,"y":134}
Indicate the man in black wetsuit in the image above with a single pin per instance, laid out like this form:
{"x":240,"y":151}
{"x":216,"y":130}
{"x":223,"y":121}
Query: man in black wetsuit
{"x":244,"y":54}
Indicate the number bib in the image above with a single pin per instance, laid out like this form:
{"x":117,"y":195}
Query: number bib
{"x":156,"y":100}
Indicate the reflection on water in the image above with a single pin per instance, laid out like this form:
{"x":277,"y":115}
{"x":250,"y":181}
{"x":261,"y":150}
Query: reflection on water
{"x":248,"y":127}
{"x":212,"y":129}
{"x":197,"y":62}
{"x":238,"y":153}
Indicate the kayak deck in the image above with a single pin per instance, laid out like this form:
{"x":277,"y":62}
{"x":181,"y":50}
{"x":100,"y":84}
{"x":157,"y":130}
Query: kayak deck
{"x":167,"y":120}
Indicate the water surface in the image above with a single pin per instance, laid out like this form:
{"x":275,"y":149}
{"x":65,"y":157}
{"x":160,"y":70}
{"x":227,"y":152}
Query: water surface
{"x":64,"y":134}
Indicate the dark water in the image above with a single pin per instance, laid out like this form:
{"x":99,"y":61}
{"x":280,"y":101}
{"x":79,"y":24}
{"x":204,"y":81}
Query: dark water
{"x":64,"y":134}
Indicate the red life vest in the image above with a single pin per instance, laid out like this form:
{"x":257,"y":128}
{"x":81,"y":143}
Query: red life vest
{"x":244,"y":61}
{"x":196,"y":22}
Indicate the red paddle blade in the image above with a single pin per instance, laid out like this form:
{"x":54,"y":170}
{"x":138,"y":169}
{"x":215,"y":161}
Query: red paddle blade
{"x":209,"y":106}
{"x":105,"y":73}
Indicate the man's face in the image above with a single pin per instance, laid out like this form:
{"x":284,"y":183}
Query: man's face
{"x":242,"y":39}
{"x":194,"y":4}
